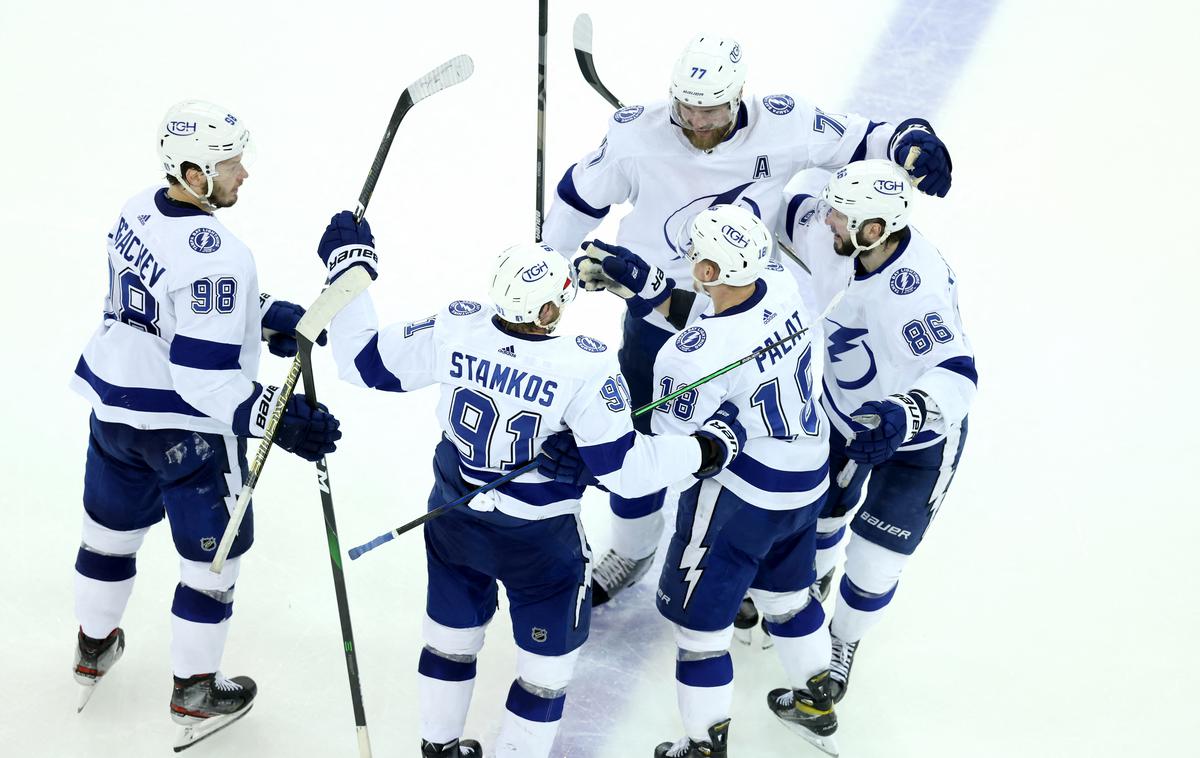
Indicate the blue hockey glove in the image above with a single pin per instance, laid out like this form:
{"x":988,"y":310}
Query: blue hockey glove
{"x":721,"y":439}
{"x":279,"y":322}
{"x":623,"y":273}
{"x":308,"y":432}
{"x":560,"y":460}
{"x":885,"y":426}
{"x":930,"y":166}
{"x":346,"y":244}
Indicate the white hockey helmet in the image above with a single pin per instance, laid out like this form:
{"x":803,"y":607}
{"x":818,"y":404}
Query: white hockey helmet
{"x":734,"y":239}
{"x":526,"y":277}
{"x":709,"y":73}
{"x":866,"y":190}
{"x":194,"y":131}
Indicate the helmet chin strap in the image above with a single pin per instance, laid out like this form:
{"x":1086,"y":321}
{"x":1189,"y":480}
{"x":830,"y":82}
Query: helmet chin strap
{"x":549,"y":327}
{"x":860,"y":249}
{"x":204,"y":201}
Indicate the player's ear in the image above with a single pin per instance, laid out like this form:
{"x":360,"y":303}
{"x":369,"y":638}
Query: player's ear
{"x":194,"y":176}
{"x":548,"y":313}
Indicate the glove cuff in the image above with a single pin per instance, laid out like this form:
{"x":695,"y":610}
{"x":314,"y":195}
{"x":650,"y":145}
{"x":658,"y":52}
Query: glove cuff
{"x":252,"y":416}
{"x":343,"y":258}
{"x":913,"y":405}
{"x":718,"y":447}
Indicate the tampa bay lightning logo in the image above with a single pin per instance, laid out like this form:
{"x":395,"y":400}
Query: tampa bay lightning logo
{"x":590,"y":344}
{"x":692,"y":338}
{"x":677,"y":230}
{"x":205,"y":240}
{"x":843,"y":348}
{"x":779,"y":104}
{"x":464,"y":307}
{"x":775,"y":266}
{"x":535,"y":272}
{"x":905,"y":280}
{"x":627,"y":114}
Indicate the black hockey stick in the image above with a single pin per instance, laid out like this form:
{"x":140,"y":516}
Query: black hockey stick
{"x":355,"y":552}
{"x":583,"y":55}
{"x":540,"y":190}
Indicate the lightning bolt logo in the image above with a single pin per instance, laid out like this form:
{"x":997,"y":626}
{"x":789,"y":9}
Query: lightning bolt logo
{"x":843,"y":340}
{"x":693,"y":554}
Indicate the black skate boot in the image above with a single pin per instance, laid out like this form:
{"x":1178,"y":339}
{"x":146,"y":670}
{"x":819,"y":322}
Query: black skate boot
{"x":745,"y":621}
{"x":808,"y":712}
{"x":615,"y":573}
{"x":839,"y":667}
{"x":93,"y":659}
{"x":451,"y":749}
{"x":207,"y":703}
{"x":716,"y":746}
{"x":820,"y":588}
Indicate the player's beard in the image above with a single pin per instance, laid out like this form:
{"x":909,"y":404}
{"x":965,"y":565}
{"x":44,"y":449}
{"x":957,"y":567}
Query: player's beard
{"x":221,"y":198}
{"x":708,"y":139}
{"x":843,"y":247}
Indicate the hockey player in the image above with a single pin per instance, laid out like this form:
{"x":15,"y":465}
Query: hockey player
{"x":507,"y":384}
{"x":170,"y":377}
{"x":753,"y":525}
{"x":709,"y":143}
{"x":898,"y":358}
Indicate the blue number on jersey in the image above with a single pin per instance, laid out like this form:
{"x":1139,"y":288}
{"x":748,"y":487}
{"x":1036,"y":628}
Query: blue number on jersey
{"x":921,"y":334}
{"x":207,"y":294}
{"x":767,"y":398}
{"x":821,"y":120}
{"x":473,"y":417}
{"x":135,"y":305}
{"x":615,"y":393}
{"x":412,"y":328}
{"x":683,"y":406}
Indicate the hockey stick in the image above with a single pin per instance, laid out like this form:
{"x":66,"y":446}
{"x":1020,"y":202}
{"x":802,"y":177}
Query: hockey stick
{"x":540,"y":189}
{"x":583,"y":55}
{"x":355,"y":552}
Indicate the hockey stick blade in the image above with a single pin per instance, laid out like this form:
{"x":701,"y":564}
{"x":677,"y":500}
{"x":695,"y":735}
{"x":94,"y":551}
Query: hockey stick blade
{"x":582,"y":38}
{"x":457,"y":69}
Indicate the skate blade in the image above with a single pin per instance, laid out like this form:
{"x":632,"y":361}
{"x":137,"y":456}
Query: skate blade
{"x":194,"y":733}
{"x":768,"y":642}
{"x":85,"y":695}
{"x":827,"y":745}
{"x":744,"y":636}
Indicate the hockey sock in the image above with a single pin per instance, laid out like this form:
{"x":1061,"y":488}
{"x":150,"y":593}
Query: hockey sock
{"x":103,"y":584}
{"x":637,"y":538}
{"x":828,"y":549}
{"x":445,"y":684}
{"x":802,"y":643}
{"x":705,"y":691}
{"x":531,"y":720}
{"x":199,"y":626}
{"x":858,"y":610}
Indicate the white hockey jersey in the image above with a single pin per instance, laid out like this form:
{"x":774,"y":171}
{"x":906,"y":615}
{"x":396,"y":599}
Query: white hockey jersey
{"x":503,"y":394}
{"x":896,"y":329}
{"x":646,"y":159}
{"x":785,"y":463}
{"x":178,"y":346}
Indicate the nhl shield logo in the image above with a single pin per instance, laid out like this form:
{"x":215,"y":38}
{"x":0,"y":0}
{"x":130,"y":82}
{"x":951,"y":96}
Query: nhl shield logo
{"x":539,"y":634}
{"x":208,"y":544}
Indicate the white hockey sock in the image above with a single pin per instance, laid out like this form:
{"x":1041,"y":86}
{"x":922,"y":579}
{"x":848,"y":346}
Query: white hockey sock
{"x":829,"y":550}
{"x":636,"y":538}
{"x":445,"y":686}
{"x":802,"y":643}
{"x":530,"y":722}
{"x":99,"y":605}
{"x":199,"y":627}
{"x":858,"y":611}
{"x":705,"y":691}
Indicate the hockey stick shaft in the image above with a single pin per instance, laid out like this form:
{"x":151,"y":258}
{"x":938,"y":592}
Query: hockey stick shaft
{"x":540,"y":167}
{"x":356,"y":552}
{"x":587,"y":64}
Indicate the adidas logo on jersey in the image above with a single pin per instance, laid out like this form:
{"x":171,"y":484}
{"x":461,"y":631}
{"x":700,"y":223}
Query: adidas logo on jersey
{"x":508,"y":351}
{"x":767,"y":316}
{"x":144,"y":219}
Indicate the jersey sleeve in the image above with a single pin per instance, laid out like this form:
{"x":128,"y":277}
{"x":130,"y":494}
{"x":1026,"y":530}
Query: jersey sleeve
{"x":599,"y":180}
{"x":626,"y":462}
{"x":673,"y":370}
{"x":835,"y":139}
{"x":397,"y":358}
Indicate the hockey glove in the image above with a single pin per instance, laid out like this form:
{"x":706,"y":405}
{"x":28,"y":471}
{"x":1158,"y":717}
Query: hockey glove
{"x":886,"y":425}
{"x":308,"y":432}
{"x":346,"y":244}
{"x":721,"y":439}
{"x":623,"y":273}
{"x":925,"y":157}
{"x":560,"y":460}
{"x":279,"y":322}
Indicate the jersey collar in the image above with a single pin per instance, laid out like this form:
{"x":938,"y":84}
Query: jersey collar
{"x":858,"y":276}
{"x":520,"y":335}
{"x":760,"y":291}
{"x":172,"y":209}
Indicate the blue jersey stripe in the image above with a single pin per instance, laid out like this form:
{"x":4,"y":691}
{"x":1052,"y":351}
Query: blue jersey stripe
{"x":203,"y":354}
{"x":793,"y":206}
{"x":142,"y":399}
{"x":530,"y":493}
{"x":570,"y":196}
{"x":370,"y":367}
{"x":963,"y":365}
{"x":768,"y":479}
{"x":607,"y":457}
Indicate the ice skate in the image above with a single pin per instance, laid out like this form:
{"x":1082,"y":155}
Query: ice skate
{"x":820,"y":588}
{"x":613,"y":574}
{"x":207,"y":703}
{"x":745,"y":621}
{"x":808,"y":712}
{"x":93,"y":659}
{"x":716,"y":746}
{"x":451,"y":749}
{"x":839,"y":667}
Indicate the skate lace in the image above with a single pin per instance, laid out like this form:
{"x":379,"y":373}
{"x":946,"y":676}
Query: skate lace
{"x":786,"y":699}
{"x":224,"y":684}
{"x":613,"y":570}
{"x":842,"y":659}
{"x":681,"y":748}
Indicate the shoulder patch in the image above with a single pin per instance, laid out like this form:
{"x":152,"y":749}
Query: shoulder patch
{"x":590,"y":344}
{"x":905,"y":281}
{"x":205,"y":240}
{"x":775,"y":266}
{"x":628,"y":113}
{"x":464,"y":307}
{"x":779,"y":104}
{"x":692,"y":338}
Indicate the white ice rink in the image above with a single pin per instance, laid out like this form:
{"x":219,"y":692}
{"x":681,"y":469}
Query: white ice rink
{"x":1048,"y":612}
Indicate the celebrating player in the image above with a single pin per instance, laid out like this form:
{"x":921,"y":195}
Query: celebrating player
{"x":507,"y":384}
{"x":896,"y":357}
{"x":170,"y":377}
{"x":708,"y":144}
